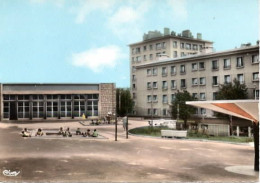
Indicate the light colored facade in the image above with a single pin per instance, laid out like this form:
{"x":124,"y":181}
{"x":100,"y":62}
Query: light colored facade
{"x":36,"y":101}
{"x":156,"y":46}
{"x":157,"y":82}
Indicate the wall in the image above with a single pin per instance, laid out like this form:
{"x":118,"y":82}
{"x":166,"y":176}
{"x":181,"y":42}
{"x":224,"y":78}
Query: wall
{"x":1,"y":103}
{"x":107,"y":99}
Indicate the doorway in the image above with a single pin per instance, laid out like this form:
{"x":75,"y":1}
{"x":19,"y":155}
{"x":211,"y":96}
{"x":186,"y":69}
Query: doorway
{"x":13,"y":111}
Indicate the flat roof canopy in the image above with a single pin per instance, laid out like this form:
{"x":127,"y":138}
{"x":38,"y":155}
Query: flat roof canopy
{"x":246,"y":109}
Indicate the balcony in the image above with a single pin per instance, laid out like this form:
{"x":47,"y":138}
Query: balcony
{"x":174,"y":87}
{"x":215,"y":68}
{"x":227,"y":67}
{"x":182,"y":72}
{"x":173,"y":73}
{"x":215,"y":84}
{"x":164,"y":74}
{"x":165,"y":88}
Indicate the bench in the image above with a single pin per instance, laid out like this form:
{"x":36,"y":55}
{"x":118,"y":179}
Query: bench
{"x":174,"y":133}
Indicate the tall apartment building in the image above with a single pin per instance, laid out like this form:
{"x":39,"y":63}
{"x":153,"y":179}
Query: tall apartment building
{"x":155,"y":83}
{"x":156,"y":46}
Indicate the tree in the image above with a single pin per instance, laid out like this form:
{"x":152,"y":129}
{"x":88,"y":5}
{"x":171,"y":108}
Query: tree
{"x":124,"y":102}
{"x":231,"y":91}
{"x":185,"y":110}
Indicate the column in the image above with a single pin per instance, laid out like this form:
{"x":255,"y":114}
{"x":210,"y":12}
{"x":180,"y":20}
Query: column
{"x":249,"y":132}
{"x":45,"y":106}
{"x":59,"y":106}
{"x":238,"y":131}
{"x":72,"y":107}
{"x":30,"y":107}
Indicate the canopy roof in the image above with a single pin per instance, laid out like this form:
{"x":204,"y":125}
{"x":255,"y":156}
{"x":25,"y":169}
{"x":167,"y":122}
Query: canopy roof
{"x":246,"y":109}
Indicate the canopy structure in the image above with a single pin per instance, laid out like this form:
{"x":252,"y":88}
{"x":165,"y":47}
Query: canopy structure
{"x":246,"y":109}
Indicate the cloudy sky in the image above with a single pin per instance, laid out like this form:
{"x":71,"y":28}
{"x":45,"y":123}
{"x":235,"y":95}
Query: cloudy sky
{"x":85,"y":41}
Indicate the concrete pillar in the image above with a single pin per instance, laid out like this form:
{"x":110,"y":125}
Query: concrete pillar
{"x":238,"y":131}
{"x":249,"y":132}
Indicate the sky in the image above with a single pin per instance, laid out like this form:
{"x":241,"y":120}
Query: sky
{"x":86,"y":41}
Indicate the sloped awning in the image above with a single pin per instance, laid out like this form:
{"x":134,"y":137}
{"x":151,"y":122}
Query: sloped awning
{"x":246,"y":109}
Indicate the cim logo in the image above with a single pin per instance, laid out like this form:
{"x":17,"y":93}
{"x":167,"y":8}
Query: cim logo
{"x":10,"y":173}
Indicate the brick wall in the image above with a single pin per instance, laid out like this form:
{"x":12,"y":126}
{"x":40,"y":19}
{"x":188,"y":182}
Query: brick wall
{"x":107,"y":99}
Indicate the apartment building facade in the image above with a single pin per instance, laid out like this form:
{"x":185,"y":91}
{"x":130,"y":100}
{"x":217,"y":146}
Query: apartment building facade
{"x":37,"y":101}
{"x":156,"y":46}
{"x":154,"y":84}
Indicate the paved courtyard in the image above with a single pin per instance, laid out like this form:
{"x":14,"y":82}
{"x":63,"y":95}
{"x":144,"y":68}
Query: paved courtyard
{"x":137,"y":159}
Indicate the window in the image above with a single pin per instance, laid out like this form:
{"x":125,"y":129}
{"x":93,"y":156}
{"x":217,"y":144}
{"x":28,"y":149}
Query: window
{"x":165,"y":99}
{"x":182,"y":69}
{"x":240,"y":62}
{"x":188,"y":46}
{"x":195,"y":47}
{"x":256,"y":94}
{"x":134,"y":86}
{"x":133,"y":59}
{"x":182,"y":45}
{"x":195,"y":96}
{"x":154,"y":98}
{"x":164,"y":71}
{"x":138,"y":50}
{"x":255,"y":76}
{"x":66,"y":109}
{"x":240,"y":78}
{"x":151,"y":56}
{"x":215,"y":95}
{"x":164,"y":112}
{"x":202,"y":96}
{"x":214,"y":65}
{"x":255,"y":59}
{"x":183,"y":83}
{"x":151,"y":47}
{"x":173,"y":70}
{"x":202,"y":81}
{"x":144,"y":57}
{"x":201,"y":47}
{"x":202,"y":111}
{"x":133,"y":51}
{"x":158,"y":46}
{"x":155,"y":112}
{"x":202,"y":65}
{"x":215,"y":80}
{"x":175,"y":54}
{"x":23,"y":109}
{"x":163,"y":45}
{"x":154,"y":71}
{"x":134,"y":78}
{"x":175,"y":44}
{"x":173,"y":97}
{"x":155,"y":85}
{"x":227,"y":64}
{"x":144,"y":48}
{"x":149,"y":111}
{"x":149,"y":98}
{"x":173,"y":84}
{"x":194,"y":66}
{"x":138,"y":59}
{"x":227,"y":79}
{"x":149,"y":72}
{"x":194,"y":81}
{"x":149,"y":85}
{"x":133,"y":69}
{"x":158,"y":54}
{"x":134,"y":95}
{"x":164,"y":85}
{"x":182,"y":54}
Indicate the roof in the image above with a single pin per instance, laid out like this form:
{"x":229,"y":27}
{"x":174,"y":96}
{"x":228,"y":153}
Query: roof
{"x":168,"y":36}
{"x":246,"y":109}
{"x":201,"y":56}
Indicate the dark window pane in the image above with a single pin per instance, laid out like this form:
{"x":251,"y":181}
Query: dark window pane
{"x":62,"y":96}
{"x":26,"y":97}
{"x":6,"y":97}
{"x":20,"y":97}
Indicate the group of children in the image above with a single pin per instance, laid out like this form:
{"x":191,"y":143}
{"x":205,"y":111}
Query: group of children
{"x":87,"y":133}
{"x":26,"y":133}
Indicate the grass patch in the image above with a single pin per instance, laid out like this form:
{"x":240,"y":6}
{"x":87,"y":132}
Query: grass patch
{"x":156,"y":132}
{"x":219,"y":138}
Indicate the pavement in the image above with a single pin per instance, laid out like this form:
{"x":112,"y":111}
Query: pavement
{"x":136,"y":159}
